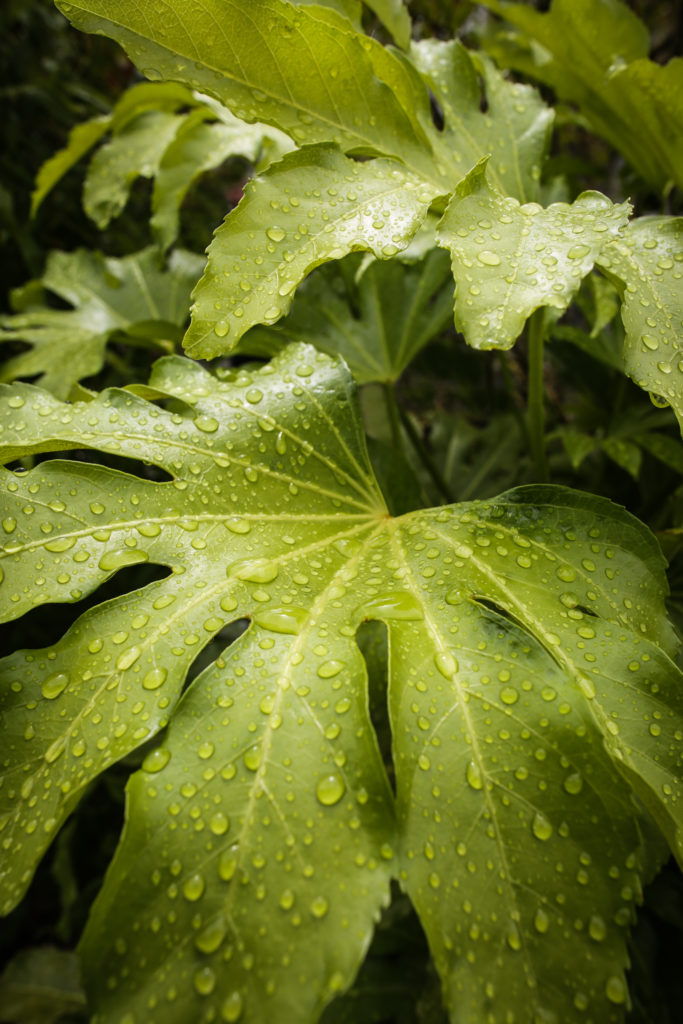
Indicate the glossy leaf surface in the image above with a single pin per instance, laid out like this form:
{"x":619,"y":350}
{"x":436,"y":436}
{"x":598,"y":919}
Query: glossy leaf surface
{"x":646,"y":261}
{"x":313,"y":206}
{"x":510,"y":259}
{"x":109,"y":296}
{"x":530,"y":685}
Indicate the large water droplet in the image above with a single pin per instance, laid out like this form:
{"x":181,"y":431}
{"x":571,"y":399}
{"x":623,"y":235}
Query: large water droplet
{"x":282,"y":620}
{"x":120,"y":558}
{"x":330,"y":790}
{"x":474,"y":776}
{"x":193,"y":888}
{"x":232,"y":1007}
{"x":253,"y":570}
{"x":54,"y":685}
{"x":541,"y":827}
{"x":393,"y":605}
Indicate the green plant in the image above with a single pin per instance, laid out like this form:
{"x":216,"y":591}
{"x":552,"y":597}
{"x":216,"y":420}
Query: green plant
{"x":479,"y":701}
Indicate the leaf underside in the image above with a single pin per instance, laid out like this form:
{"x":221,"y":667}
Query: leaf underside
{"x":531,"y":692}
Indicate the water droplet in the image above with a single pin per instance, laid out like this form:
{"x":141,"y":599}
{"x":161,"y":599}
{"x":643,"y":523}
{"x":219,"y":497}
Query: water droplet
{"x":211,"y":937}
{"x":60,"y":544}
{"x":446,"y":664}
{"x":219,"y":824}
{"x":509,"y":695}
{"x":54,"y":685}
{"x":232,"y":1007}
{"x":541,"y":827}
{"x":193,"y":888}
{"x":227,"y":863}
{"x":597,"y":928}
{"x":253,"y":570}
{"x":156,"y":760}
{"x":252,"y":758}
{"x":330,"y":790}
{"x":573,"y":784}
{"x":128,"y":658}
{"x":282,"y":620}
{"x":474,"y":776}
{"x":319,"y":906}
{"x":204,"y":981}
{"x":541,"y":921}
{"x":9,"y":524}
{"x":330,"y":668}
{"x":154,"y":679}
{"x":394,"y":605}
{"x":615,"y":989}
{"x":276,"y":234}
{"x":488,"y":258}
{"x":577,"y":252}
{"x":206,"y":423}
{"x":221,"y":328}
{"x":121,"y":557}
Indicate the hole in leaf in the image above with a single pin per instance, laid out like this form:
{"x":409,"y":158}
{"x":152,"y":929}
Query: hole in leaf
{"x":437,"y":112}
{"x":215,"y":647}
{"x":371,"y":638}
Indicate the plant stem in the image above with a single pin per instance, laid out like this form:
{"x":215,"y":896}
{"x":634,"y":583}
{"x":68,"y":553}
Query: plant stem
{"x":425,"y":457}
{"x":393,"y":414}
{"x":535,"y":393}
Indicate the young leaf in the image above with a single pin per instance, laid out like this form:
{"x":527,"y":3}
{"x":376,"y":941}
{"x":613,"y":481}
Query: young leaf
{"x":530,"y":687}
{"x":314,"y":205}
{"x":138,"y":99}
{"x":645,"y":262}
{"x":136,"y":150}
{"x":510,"y":259}
{"x":302,"y":69}
{"x":514,"y":130}
{"x":200,"y":146}
{"x":595,"y":55}
{"x":109,"y":296}
{"x":395,"y":310}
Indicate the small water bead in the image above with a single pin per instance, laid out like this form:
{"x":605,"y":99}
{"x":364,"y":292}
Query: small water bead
{"x":615,"y":990}
{"x":488,"y":258}
{"x":319,"y":906}
{"x":207,"y":424}
{"x":287,"y":899}
{"x":288,"y":620}
{"x":154,"y":678}
{"x":156,"y":760}
{"x":205,"y":750}
{"x":219,"y":823}
{"x":54,"y":685}
{"x":597,"y":928}
{"x":446,"y":664}
{"x":252,"y":758}
{"x":330,"y":668}
{"x":541,"y":921}
{"x":232,"y":1007}
{"x":276,"y":234}
{"x":211,"y":937}
{"x":541,"y":827}
{"x":204,"y":981}
{"x":227,"y":863}
{"x":330,"y":790}
{"x":474,"y":776}
{"x":577,"y":252}
{"x":193,"y":888}
{"x":573,"y":784}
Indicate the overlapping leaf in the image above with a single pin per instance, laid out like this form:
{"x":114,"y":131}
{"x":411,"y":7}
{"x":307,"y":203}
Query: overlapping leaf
{"x":110,"y":297}
{"x":514,"y":130}
{"x":529,"y":674}
{"x":510,"y":259}
{"x":313,"y":206}
{"x":596,"y":55}
{"x":377,"y":316}
{"x":646,"y":261}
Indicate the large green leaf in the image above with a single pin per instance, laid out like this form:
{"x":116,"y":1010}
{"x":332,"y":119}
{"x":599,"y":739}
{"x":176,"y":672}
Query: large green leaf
{"x":510,"y":259}
{"x":594,"y":53}
{"x":514,"y":129}
{"x":377,"y":315}
{"x":302,"y":69}
{"x":134,"y":294}
{"x":313,"y":206}
{"x":646,"y":261}
{"x":530,"y":690}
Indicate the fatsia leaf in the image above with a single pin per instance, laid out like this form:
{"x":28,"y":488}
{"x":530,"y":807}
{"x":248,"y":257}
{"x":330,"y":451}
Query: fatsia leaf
{"x":108,"y":296}
{"x":393,"y":311}
{"x":595,"y":55}
{"x":302,"y":69}
{"x":314,"y":205}
{"x":510,"y":259}
{"x":198,"y":146}
{"x":514,"y":130}
{"x":646,"y":261}
{"x":530,"y":689}
{"x":135,"y":151}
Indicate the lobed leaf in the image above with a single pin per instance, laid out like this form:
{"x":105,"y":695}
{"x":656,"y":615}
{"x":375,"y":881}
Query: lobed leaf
{"x":595,"y":55}
{"x":510,"y":259}
{"x":313,"y":206}
{"x":531,"y":693}
{"x":393,"y":311}
{"x":514,"y":129}
{"x":645,"y":262}
{"x":109,"y":296}
{"x":321,"y":82}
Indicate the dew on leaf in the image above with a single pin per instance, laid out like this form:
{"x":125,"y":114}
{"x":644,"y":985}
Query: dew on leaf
{"x":193,"y":887}
{"x":330,"y":790}
{"x":282,"y":620}
{"x":156,"y":760}
{"x":541,"y":827}
{"x":252,"y":758}
{"x":120,"y":558}
{"x":54,"y":685}
{"x":474,"y":776}
{"x":204,"y":981}
{"x":319,"y":906}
